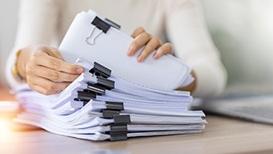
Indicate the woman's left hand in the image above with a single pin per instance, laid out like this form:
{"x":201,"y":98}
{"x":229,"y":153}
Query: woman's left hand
{"x":150,"y":43}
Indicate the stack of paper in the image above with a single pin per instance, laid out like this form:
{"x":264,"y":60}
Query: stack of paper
{"x":98,"y":108}
{"x":105,"y":102}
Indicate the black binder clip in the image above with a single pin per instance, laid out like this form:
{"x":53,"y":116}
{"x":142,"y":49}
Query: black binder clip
{"x":103,"y":25}
{"x":112,"y":109}
{"x":108,"y":114}
{"x":80,"y":100}
{"x":106,"y":83}
{"x":118,"y":128}
{"x":100,"y":24}
{"x":121,"y":119}
{"x":118,"y":132}
{"x":112,"y":23}
{"x":85,"y":96}
{"x":100,"y":70}
{"x":101,"y":85}
{"x":95,"y":89}
{"x":114,"y":106}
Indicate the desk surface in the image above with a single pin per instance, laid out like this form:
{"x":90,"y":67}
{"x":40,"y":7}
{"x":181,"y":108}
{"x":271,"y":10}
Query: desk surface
{"x":222,"y":135}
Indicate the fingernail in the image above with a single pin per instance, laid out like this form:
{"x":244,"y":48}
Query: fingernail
{"x":130,"y":52}
{"x":139,"y":59}
{"x":157,"y":55}
{"x":79,"y":70}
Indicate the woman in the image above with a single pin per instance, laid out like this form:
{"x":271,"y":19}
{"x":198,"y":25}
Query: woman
{"x":179,"y":21}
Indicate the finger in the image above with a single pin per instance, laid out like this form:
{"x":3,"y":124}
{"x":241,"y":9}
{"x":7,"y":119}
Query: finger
{"x":54,"y":53}
{"x":44,"y":50}
{"x":48,"y":86}
{"x":138,"y":43}
{"x":152,"y":45}
{"x":138,"y":31}
{"x":58,"y":65}
{"x":38,"y":89}
{"x":163,"y":50}
{"x":53,"y":75}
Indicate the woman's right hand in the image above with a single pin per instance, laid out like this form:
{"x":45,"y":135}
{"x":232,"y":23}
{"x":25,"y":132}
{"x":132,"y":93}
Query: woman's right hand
{"x":45,"y":71}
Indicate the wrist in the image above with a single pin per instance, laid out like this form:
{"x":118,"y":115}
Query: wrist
{"x":191,"y":87}
{"x":21,"y":61}
{"x":15,"y":70}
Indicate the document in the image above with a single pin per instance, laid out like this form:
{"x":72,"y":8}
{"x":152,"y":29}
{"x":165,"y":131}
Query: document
{"x":94,"y":38}
{"x":115,"y":98}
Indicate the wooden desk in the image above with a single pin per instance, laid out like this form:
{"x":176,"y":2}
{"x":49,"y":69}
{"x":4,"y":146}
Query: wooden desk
{"x":222,"y":135}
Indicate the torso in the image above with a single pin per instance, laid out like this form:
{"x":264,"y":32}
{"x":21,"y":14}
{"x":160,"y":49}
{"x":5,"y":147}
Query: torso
{"x":142,"y":13}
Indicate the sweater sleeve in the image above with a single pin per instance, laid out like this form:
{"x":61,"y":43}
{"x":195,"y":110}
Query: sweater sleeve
{"x":37,"y":25}
{"x":187,"y":30}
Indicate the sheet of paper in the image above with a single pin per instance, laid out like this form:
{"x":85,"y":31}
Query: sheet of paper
{"x":167,"y":73}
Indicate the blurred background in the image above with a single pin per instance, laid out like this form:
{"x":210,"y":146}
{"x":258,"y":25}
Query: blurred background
{"x":243,"y":32}
{"x":241,"y":29}
{"x":8,"y":23}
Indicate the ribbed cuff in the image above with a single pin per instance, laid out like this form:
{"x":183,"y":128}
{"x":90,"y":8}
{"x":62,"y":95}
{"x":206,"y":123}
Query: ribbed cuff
{"x":12,"y":81}
{"x":211,"y":79}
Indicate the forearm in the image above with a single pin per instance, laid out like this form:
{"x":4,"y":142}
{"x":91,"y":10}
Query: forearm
{"x":187,"y":30}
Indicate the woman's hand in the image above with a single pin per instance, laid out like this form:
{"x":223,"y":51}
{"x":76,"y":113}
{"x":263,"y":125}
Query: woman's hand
{"x":151,"y":44}
{"x":45,"y":71}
